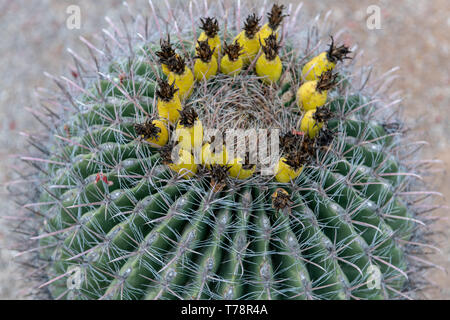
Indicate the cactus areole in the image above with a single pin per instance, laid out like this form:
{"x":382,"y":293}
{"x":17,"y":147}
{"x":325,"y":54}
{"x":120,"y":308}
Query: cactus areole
{"x":318,"y":216}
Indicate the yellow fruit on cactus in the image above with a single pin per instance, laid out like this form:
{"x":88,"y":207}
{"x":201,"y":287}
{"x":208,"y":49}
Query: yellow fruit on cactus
{"x":232,"y":63}
{"x":309,"y":125}
{"x":179,"y":160}
{"x":275,"y":17}
{"x":182,"y":76}
{"x":325,"y":61}
{"x":168,"y":103}
{"x":214,"y":155}
{"x":210,"y":28}
{"x":284,"y":172}
{"x":165,"y":54}
{"x":269,"y":64}
{"x":250,"y":47}
{"x":265,"y":32}
{"x":318,"y":65}
{"x":309,"y":98}
{"x":153,"y":131}
{"x":248,"y":38}
{"x":189,"y":130}
{"x":313,"y":121}
{"x":214,"y":43}
{"x":240,"y":168}
{"x":205,"y":64}
{"x":313,"y":94}
{"x":165,"y":69}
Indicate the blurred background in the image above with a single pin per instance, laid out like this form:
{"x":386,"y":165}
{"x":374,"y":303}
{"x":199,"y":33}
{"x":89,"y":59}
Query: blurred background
{"x":414,"y":36}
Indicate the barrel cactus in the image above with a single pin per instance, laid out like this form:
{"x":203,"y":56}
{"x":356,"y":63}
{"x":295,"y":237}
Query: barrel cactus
{"x":138,"y":195}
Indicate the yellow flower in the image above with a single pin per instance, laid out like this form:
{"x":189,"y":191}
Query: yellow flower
{"x":309,"y":125}
{"x":205,"y":70}
{"x":313,"y":121}
{"x":180,"y":161}
{"x":165,"y":69}
{"x":240,"y":170}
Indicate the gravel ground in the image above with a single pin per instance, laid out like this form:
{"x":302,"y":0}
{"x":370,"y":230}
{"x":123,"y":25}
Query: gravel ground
{"x":413,"y":36}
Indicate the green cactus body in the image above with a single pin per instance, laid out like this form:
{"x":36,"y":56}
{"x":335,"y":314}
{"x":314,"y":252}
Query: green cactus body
{"x":133,"y":229}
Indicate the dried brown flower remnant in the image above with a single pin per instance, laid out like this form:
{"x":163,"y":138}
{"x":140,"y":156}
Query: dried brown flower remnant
{"x":188,"y":116}
{"x":176,"y":64}
{"x":166,"y":153}
{"x":219,"y":177}
{"x":336,"y":54}
{"x":276,"y":16}
{"x":327,"y":81}
{"x":204,"y":51}
{"x":322,"y":114}
{"x":271,"y":47}
{"x":166,"y":51}
{"x":210,"y":26}
{"x":233,"y":51}
{"x":165,"y":90}
{"x":251,"y":25}
{"x":147,"y":130}
{"x":324,"y":138}
{"x":281,"y":199}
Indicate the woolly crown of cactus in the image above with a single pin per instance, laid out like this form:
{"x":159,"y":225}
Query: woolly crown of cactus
{"x":107,"y":218}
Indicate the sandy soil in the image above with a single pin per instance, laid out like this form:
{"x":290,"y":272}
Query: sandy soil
{"x":413,"y":36}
